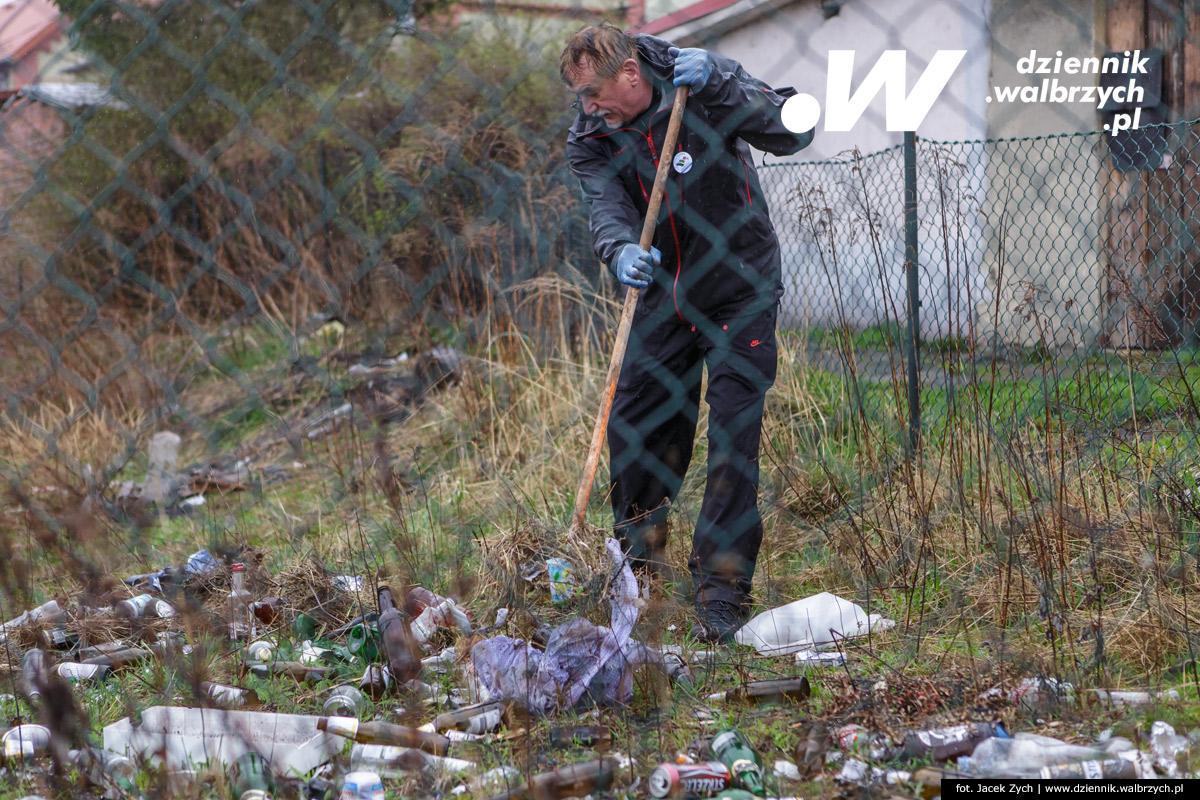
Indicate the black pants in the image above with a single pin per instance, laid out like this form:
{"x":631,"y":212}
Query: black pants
{"x":653,"y":425}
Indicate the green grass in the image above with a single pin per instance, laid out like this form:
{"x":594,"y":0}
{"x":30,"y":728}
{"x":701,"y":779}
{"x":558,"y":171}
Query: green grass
{"x":922,"y":546}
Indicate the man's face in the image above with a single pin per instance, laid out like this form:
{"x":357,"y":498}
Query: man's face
{"x":615,"y":100}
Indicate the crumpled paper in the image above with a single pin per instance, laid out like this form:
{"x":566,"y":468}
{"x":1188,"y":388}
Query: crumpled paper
{"x":581,"y":662}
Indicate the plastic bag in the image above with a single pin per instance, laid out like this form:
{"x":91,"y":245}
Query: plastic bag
{"x":821,"y":619}
{"x":581,"y":662}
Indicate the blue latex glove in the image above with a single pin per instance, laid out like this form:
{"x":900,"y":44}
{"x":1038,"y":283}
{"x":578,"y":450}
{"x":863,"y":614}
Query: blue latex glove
{"x":692,"y":66}
{"x":634,"y":265}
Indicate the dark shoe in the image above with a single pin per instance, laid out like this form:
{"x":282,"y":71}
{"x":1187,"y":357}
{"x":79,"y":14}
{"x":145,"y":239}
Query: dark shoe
{"x":719,"y":621}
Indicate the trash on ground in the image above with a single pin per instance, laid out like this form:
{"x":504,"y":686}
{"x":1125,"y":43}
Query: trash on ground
{"x":581,"y":661}
{"x":818,"y":620}
{"x":765,"y":691}
{"x":179,"y":737}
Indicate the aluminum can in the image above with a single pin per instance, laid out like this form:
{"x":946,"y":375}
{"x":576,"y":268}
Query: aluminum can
{"x":683,"y":780}
{"x":362,"y":785}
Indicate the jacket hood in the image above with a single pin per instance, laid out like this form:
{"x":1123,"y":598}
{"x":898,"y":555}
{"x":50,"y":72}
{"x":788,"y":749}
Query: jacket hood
{"x":652,"y":52}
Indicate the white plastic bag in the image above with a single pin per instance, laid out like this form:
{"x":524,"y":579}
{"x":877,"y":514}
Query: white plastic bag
{"x":821,"y":619}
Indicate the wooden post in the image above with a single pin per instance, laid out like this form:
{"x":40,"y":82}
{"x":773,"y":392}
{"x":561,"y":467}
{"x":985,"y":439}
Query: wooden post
{"x":1127,"y":252}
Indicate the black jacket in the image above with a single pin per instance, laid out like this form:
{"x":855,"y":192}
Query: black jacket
{"x":719,"y":249}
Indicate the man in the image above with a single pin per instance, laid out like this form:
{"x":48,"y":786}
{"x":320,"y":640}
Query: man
{"x":710,"y":290}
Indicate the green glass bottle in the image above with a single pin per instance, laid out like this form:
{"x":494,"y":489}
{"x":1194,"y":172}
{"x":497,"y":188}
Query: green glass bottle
{"x":363,"y":642}
{"x":732,"y":748}
{"x":252,"y":778}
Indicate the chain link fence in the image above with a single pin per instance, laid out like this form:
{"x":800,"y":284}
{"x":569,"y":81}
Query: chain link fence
{"x":1041,"y":267}
{"x":309,"y":286}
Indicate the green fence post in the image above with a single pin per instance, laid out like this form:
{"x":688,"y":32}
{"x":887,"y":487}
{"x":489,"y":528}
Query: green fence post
{"x":913,"y":339}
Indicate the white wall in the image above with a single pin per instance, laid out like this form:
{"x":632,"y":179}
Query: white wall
{"x":788,"y":45}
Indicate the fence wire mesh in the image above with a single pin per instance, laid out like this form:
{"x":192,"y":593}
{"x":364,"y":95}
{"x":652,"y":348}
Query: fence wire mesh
{"x":316,"y":288}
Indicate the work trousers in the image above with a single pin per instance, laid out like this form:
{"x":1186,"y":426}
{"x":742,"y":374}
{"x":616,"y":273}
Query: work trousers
{"x":652,"y":428}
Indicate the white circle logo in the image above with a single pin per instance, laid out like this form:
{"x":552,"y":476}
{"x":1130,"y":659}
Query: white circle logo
{"x":682,"y":162}
{"x":800,"y":113}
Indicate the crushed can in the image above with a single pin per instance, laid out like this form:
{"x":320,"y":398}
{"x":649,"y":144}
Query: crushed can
{"x":362,"y":785}
{"x":562,"y":580}
{"x":688,"y":780}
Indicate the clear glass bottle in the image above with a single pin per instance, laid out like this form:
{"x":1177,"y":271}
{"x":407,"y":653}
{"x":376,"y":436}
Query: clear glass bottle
{"x":238,"y":602}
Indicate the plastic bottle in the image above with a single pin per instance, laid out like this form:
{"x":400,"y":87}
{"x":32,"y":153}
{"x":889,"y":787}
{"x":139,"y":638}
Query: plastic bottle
{"x":1109,"y":768}
{"x":1025,"y":754}
{"x":1114,"y":697}
{"x":397,"y":640}
{"x":46,"y":613}
{"x":765,"y":691}
{"x":446,"y":614}
{"x":252,"y":778}
{"x":385,"y":733}
{"x":943,"y":744}
{"x":238,"y":600}
{"x":344,"y":701}
{"x":733,"y":749}
{"x":1167,"y":747}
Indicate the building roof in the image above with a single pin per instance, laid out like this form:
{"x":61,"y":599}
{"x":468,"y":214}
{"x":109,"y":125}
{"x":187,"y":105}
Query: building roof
{"x":24,"y":25}
{"x":709,"y":18}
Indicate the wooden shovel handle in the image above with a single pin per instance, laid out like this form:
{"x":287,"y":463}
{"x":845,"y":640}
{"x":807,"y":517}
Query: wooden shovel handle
{"x":584,"y":494}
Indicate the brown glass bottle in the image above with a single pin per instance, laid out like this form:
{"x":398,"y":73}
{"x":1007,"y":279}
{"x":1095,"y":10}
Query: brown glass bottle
{"x":385,"y":733}
{"x":419,"y":598}
{"x":943,"y":744}
{"x":375,"y":681}
{"x":121,"y":658}
{"x":580,"y":736}
{"x":103,"y":648}
{"x":267,"y":610}
{"x":477,"y":718}
{"x":305,"y":673}
{"x":575,"y":780}
{"x":764,"y":691}
{"x":398,"y":645}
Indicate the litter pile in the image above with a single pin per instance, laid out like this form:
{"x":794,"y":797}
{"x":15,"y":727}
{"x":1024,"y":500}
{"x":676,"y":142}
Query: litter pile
{"x":412,"y":692}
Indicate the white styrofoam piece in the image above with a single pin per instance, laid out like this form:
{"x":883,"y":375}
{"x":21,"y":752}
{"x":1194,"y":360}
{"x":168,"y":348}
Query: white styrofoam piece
{"x":181,"y":737}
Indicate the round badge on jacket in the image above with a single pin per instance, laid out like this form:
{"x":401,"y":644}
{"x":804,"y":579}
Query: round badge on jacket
{"x":682,"y":162}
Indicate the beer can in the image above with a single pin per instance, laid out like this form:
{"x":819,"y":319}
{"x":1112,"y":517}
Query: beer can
{"x":681,"y":780}
{"x":362,"y":785}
